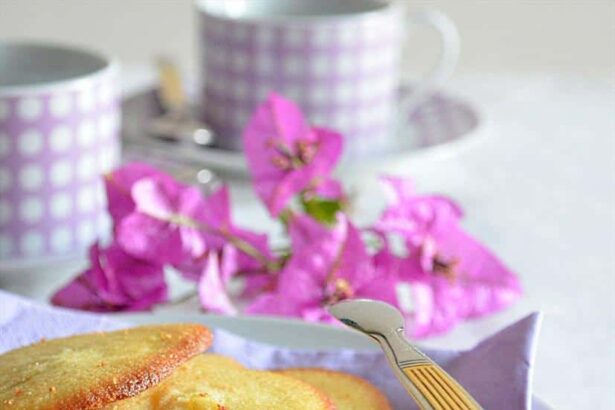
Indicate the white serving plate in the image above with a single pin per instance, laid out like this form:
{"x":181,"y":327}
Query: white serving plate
{"x":287,"y":333}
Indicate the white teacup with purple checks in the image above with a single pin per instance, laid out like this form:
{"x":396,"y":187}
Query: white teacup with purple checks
{"x":59,"y":131}
{"x":340,"y":60}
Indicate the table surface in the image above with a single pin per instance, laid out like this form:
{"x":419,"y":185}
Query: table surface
{"x":540,"y":190}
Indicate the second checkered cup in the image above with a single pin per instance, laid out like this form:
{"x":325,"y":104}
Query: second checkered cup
{"x":340,"y":60}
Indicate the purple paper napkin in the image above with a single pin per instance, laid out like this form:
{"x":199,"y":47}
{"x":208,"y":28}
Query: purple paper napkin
{"x":497,"y":371}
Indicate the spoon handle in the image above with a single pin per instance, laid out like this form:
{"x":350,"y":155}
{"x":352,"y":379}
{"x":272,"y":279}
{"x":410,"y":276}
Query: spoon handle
{"x":439,"y":391}
{"x":428,"y":384}
{"x":171,"y":90}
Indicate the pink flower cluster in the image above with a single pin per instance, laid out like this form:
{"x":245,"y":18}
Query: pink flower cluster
{"x":416,"y":256}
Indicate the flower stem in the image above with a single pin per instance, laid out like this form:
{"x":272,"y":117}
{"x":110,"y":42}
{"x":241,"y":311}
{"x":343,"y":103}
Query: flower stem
{"x":243,"y":246}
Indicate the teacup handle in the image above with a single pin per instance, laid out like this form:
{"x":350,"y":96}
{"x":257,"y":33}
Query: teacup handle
{"x":444,"y":67}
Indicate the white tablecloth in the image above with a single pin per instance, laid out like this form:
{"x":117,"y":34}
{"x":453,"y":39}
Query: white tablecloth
{"x":540,"y":190}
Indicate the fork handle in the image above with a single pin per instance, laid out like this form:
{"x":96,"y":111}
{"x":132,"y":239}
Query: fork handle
{"x":437,"y":390}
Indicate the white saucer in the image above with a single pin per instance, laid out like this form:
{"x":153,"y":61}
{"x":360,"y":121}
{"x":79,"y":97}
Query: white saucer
{"x":439,"y":127}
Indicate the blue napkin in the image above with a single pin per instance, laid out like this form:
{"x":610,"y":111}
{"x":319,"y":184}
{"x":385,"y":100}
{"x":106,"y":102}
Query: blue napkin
{"x":497,"y":372}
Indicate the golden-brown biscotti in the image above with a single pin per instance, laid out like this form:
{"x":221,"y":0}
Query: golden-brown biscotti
{"x":91,"y":370}
{"x":346,"y":391}
{"x":207,"y":382}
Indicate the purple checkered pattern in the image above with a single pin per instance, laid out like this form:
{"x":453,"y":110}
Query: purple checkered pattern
{"x":54,"y":145}
{"x":343,"y":72}
{"x":438,"y":120}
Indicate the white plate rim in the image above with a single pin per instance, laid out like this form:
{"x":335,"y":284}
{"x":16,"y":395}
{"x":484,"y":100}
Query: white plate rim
{"x":351,"y":338}
{"x":331,"y":337}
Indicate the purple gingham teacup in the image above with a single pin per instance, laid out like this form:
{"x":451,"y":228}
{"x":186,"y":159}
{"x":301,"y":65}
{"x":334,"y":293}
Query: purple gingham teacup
{"x":59,"y":131}
{"x":338,"y":59}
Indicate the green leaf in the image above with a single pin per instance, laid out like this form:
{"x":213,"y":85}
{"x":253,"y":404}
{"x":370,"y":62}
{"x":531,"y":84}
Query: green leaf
{"x":323,"y":210}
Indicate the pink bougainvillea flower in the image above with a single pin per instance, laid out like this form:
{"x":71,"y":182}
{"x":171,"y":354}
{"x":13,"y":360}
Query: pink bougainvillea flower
{"x":304,"y":230}
{"x":253,"y":258}
{"x":118,"y":187}
{"x":285,"y":155}
{"x":388,"y":286}
{"x":413,"y":215}
{"x":327,"y":265}
{"x":162,"y":229}
{"x":251,"y":250}
{"x":401,"y":285}
{"x":174,"y":224}
{"x":258,"y":267}
{"x":453,"y":277}
{"x":214,"y":280}
{"x":115,"y":281}
{"x":215,"y":214}
{"x":467,"y":279}
{"x":254,"y":254}
{"x":330,"y":189}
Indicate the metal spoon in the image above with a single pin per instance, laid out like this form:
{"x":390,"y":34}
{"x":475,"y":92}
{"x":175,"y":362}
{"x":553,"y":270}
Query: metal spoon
{"x":428,"y":384}
{"x":178,"y":123}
